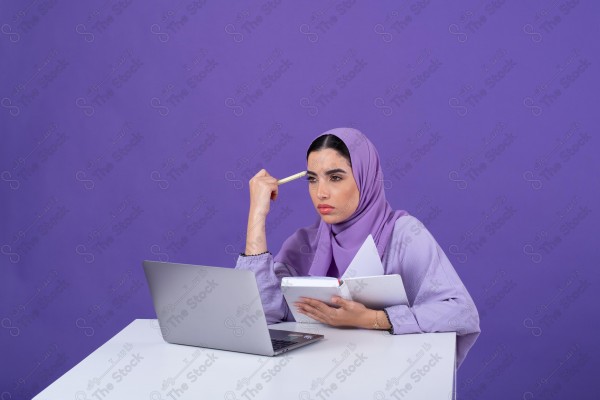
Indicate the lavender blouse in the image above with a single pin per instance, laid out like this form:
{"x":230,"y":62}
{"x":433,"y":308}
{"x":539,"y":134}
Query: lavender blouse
{"x":439,"y":302}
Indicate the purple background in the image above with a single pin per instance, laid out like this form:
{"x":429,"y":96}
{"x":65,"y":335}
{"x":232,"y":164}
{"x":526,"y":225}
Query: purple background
{"x":131,"y":128}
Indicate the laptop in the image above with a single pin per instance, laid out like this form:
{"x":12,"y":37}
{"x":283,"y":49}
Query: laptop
{"x":215,"y":307}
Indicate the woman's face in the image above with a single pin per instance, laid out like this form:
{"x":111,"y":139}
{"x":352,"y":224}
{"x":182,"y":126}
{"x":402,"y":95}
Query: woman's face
{"x":331,"y":184}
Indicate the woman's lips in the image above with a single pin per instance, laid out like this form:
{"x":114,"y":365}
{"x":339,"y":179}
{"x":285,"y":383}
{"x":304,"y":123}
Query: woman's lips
{"x":325,"y":209}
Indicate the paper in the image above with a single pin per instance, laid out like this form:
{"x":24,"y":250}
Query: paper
{"x":366,"y":262}
{"x":377,"y":292}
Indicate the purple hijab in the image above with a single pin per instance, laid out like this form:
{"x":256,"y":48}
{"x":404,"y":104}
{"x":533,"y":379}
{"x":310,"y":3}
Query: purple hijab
{"x":314,"y":249}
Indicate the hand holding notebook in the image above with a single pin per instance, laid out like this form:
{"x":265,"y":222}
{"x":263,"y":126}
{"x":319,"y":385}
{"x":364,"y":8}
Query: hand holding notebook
{"x":362,"y":282}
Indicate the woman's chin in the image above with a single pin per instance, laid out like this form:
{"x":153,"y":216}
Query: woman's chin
{"x":330,"y":219}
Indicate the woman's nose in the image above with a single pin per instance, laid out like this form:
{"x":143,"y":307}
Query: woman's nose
{"x":322,"y":192}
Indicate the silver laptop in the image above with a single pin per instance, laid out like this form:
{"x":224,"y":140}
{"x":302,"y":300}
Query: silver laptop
{"x":214,"y":307}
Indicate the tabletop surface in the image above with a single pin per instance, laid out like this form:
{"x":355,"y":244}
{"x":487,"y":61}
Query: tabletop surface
{"x":348,"y":364}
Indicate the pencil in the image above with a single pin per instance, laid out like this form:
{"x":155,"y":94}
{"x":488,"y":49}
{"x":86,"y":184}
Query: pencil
{"x":291,"y":178}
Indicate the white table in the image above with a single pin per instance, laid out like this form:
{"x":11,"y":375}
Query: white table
{"x":348,"y":364}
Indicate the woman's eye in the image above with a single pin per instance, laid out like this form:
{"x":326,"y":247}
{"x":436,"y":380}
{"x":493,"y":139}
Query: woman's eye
{"x":336,"y":178}
{"x":311,"y":179}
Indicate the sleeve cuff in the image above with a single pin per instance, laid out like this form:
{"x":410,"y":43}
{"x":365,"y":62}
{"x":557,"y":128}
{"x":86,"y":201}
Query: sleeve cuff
{"x":252,"y":261}
{"x":391,"y":330}
{"x":402,"y":320}
{"x":255,"y":255}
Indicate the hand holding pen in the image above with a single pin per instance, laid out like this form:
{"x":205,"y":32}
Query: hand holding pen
{"x":263,"y":189}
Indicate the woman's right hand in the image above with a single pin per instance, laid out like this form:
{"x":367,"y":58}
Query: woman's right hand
{"x":263,"y":189}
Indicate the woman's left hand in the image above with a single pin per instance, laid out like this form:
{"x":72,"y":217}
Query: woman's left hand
{"x":349,"y":313}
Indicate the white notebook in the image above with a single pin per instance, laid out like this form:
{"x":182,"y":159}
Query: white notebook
{"x":363,"y":282}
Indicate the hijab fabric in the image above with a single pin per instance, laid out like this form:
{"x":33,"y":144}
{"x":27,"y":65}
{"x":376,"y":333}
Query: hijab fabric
{"x":314,"y":249}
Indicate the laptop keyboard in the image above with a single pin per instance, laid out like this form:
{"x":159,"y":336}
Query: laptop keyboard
{"x":280,"y":344}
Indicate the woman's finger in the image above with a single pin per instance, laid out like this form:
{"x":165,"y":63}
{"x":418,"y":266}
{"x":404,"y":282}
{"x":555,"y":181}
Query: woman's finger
{"x":312,"y":312}
{"x":343,"y":303}
{"x":262,"y":172}
{"x":320,"y":306}
{"x":312,"y":302}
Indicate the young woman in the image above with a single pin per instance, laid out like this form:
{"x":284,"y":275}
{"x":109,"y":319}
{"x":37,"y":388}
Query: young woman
{"x":346,"y":187}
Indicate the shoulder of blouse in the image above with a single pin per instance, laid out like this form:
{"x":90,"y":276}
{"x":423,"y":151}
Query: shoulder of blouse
{"x":404,"y":223}
{"x":406,"y":228}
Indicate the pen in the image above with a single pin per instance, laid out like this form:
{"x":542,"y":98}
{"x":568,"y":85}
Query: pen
{"x":291,"y":178}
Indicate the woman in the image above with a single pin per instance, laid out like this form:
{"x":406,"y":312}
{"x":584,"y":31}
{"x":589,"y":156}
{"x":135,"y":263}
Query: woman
{"x":346,"y":188}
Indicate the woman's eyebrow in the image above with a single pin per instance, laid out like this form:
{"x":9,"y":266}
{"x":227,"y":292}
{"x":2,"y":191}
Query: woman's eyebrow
{"x":330,"y":172}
